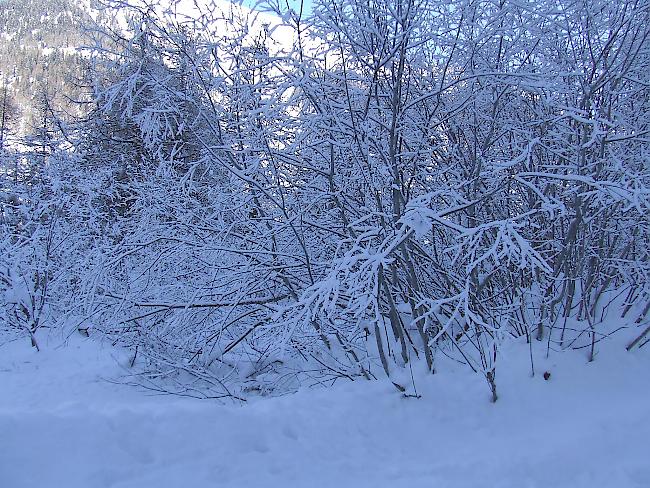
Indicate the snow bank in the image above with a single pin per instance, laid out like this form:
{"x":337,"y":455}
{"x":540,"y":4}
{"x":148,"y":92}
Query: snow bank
{"x":63,"y":425}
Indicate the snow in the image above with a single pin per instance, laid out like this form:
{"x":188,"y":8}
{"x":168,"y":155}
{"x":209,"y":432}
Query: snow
{"x":62,"y":424}
{"x":218,"y":11}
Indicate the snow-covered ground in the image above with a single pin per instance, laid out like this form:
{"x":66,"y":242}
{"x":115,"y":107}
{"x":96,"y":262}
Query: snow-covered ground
{"x":62,"y":425}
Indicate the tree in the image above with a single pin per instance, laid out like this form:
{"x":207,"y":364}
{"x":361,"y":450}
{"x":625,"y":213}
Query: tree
{"x":409,"y":178}
{"x":9,"y":115}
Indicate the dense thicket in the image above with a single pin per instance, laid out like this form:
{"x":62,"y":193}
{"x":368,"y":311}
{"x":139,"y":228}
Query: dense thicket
{"x":402,"y":179}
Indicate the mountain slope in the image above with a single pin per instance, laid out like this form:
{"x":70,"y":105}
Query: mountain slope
{"x":40,"y":56}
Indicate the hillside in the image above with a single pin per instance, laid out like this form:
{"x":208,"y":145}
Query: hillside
{"x":41,"y":56}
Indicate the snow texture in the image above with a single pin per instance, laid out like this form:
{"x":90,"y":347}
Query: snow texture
{"x":62,"y":424}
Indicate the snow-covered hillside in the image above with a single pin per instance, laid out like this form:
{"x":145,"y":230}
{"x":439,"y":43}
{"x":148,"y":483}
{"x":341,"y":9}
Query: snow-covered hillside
{"x":62,"y":424}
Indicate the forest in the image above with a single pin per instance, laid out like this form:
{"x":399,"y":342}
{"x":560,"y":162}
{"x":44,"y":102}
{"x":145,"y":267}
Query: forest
{"x":251,"y":201}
